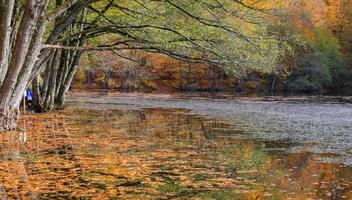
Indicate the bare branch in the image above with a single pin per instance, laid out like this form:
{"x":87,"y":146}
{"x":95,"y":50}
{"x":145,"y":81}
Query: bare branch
{"x":60,"y":10}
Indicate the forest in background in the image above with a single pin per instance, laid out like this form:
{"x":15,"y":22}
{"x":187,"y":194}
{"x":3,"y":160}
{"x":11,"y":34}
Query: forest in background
{"x":321,"y":62}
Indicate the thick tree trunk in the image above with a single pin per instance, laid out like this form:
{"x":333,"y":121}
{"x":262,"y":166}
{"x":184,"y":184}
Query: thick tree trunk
{"x":8,"y":119}
{"x":18,"y":57}
{"x":20,"y":47}
{"x":11,"y":90}
{"x":6,"y":11}
{"x":31,"y":58}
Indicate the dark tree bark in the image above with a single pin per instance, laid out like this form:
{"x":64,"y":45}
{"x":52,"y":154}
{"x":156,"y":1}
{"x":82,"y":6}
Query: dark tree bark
{"x":37,"y":100}
{"x":221,"y":83}
{"x":107,"y":78}
{"x":66,"y":83}
{"x":61,"y":68}
{"x":90,"y":78}
{"x":213,"y":79}
{"x":189,"y":78}
{"x":272,"y":87}
{"x":57,"y":78}
{"x":238,"y":87}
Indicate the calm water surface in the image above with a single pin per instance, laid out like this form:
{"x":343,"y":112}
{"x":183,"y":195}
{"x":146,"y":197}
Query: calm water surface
{"x":157,"y":154}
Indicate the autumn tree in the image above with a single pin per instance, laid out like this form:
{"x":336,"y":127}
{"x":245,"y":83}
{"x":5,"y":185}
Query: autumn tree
{"x":53,"y":35}
{"x":230,"y":34}
{"x":24,"y":25}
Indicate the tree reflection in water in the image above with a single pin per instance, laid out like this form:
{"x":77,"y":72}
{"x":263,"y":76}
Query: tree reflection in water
{"x":156,"y":153}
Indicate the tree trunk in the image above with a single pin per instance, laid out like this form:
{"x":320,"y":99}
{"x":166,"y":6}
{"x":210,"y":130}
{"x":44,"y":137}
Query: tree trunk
{"x":65,"y":86}
{"x":189,"y":79}
{"x":221,"y":83}
{"x":22,"y":55}
{"x":49,"y":87}
{"x":212,"y":80}
{"x":58,"y":76}
{"x":272,"y":88}
{"x":8,"y":119}
{"x":21,"y":46}
{"x":6,"y":11}
{"x":60,"y":70}
{"x":238,"y":87}
{"x":181,"y":87}
{"x":37,"y":100}
{"x":107,"y":78}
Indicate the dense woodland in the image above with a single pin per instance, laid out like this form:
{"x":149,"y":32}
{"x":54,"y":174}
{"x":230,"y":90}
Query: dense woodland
{"x":320,"y":64}
{"x":197,"y":45}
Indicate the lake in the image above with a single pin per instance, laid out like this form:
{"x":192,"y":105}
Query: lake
{"x":165,"y":147}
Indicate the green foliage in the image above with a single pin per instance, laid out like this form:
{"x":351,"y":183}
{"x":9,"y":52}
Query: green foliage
{"x":130,"y":183}
{"x":222,"y":195}
{"x":171,"y":188}
{"x":310,"y":75}
{"x":321,"y":67}
{"x":222,"y":32}
{"x":328,"y":49}
{"x":240,"y":38}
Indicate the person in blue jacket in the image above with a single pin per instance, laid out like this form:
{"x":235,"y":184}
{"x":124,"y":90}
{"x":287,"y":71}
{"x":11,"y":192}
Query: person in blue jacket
{"x":29,"y":97}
